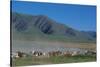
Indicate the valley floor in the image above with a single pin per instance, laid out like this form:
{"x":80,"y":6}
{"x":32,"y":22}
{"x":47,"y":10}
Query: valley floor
{"x":52,"y":60}
{"x":30,"y":60}
{"x":27,"y":46}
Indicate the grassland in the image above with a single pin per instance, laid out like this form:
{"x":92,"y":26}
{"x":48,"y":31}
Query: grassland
{"x":52,"y":60}
{"x":27,"y":46}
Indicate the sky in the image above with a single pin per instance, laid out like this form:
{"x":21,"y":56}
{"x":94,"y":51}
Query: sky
{"x":80,"y":17}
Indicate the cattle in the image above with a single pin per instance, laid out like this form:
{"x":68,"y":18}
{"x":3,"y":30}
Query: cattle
{"x":55,"y":53}
{"x":37,"y":53}
{"x":91,"y":52}
{"x":74,"y":53}
{"x":14,"y":55}
{"x":20,"y":54}
{"x":66,"y":53}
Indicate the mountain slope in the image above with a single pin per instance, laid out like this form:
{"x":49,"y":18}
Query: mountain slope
{"x":40,"y":27}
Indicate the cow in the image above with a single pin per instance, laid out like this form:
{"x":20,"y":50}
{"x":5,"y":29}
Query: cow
{"x":67,"y":53}
{"x":55,"y":53}
{"x":37,"y":53}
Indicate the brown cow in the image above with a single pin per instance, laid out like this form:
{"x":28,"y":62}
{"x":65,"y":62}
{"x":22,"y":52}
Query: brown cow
{"x":55,"y":53}
{"x":67,"y":53}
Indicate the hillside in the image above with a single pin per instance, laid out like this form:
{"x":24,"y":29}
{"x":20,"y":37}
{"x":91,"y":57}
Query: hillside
{"x":40,"y":27}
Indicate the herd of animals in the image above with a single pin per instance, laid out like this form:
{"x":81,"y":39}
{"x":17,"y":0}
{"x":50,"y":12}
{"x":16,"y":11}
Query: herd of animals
{"x":36,"y":53}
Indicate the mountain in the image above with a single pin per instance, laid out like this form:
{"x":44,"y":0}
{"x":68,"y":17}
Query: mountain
{"x":41,"y":27}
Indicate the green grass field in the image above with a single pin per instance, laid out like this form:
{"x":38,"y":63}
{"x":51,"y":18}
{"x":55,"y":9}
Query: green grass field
{"x":51,"y":60}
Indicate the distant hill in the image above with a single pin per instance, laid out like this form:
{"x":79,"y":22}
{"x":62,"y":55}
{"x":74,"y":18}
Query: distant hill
{"x":40,"y":27}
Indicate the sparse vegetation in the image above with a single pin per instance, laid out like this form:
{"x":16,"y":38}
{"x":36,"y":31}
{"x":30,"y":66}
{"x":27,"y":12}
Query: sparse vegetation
{"x":52,"y":60}
{"x":30,"y":27}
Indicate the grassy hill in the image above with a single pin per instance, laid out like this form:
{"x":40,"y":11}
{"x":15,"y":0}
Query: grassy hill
{"x":40,"y":27}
